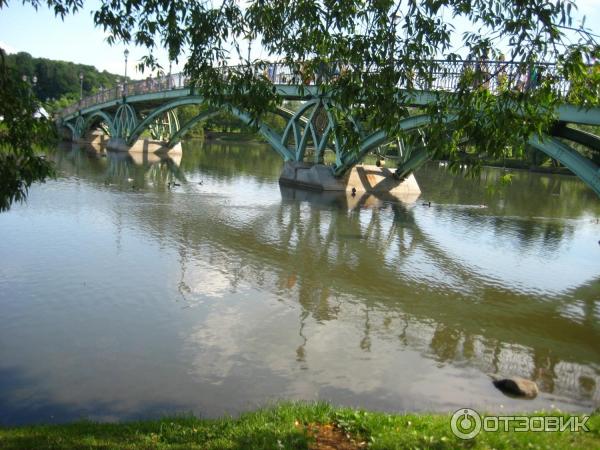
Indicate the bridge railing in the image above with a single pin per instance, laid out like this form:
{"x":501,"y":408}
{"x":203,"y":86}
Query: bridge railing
{"x":149,"y":85}
{"x":441,"y":75}
{"x":494,"y":76}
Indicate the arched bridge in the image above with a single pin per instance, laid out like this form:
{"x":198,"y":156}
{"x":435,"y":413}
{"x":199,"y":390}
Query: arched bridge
{"x":126,"y":111}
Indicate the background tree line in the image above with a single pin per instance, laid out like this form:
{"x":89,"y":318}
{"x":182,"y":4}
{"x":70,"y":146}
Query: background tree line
{"x":58,"y":82}
{"x":58,"y":85}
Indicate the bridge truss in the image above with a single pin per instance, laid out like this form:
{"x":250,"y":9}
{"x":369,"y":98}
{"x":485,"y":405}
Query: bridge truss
{"x":127,"y":110}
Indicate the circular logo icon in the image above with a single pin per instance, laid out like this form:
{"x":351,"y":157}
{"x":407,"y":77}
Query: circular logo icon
{"x":465,"y":423}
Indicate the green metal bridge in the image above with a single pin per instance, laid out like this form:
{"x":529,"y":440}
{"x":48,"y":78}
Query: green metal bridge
{"x":125,"y":111}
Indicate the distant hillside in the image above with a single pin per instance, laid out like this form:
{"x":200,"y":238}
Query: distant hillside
{"x":58,"y":80}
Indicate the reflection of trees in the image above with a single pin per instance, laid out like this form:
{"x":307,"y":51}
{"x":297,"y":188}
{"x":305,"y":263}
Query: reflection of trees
{"x":301,"y":350}
{"x":228,"y":160}
{"x":532,"y":194}
{"x":322,"y":254}
{"x":531,"y":209}
{"x":588,"y":296}
{"x":445,"y":341}
{"x":78,"y":160}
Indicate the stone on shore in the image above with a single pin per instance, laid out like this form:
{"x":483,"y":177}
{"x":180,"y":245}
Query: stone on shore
{"x":517,"y":386}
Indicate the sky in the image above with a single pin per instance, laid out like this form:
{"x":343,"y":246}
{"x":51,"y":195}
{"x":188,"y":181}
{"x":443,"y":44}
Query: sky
{"x":77,"y":40}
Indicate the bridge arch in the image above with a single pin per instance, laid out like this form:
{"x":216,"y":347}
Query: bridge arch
{"x":69,"y":126}
{"x":205,"y":115}
{"x":147,"y":121}
{"x":301,"y":129}
{"x":104,"y":116}
{"x":411,"y":161}
{"x":164,"y":127}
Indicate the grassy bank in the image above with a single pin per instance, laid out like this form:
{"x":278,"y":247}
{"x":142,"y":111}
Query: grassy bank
{"x":289,"y":426}
{"x":233,"y":136}
{"x":525,"y":165}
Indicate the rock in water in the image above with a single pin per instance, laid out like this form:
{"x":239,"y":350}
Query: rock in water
{"x":517,"y":386}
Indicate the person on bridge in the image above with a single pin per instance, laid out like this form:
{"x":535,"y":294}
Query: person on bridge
{"x":272,"y":72}
{"x":501,"y":76}
{"x":482,"y":75}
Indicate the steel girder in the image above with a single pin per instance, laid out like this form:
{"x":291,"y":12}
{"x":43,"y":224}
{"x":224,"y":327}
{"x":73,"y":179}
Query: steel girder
{"x":584,"y":168}
{"x":159,"y":112}
{"x":106,"y":118}
{"x":308,"y":124}
{"x":411,"y":160}
{"x":79,"y":127}
{"x":579,"y":136}
{"x":125,"y":121}
{"x":178,"y":135}
{"x":164,"y":127}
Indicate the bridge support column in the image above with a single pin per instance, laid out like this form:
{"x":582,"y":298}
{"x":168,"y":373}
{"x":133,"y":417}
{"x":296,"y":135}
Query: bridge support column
{"x":142,"y":146}
{"x":98,"y":138}
{"x":361,"y":178}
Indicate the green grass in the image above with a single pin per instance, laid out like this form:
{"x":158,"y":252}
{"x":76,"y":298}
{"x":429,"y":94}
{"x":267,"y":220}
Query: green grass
{"x":526,"y":165}
{"x":277,"y":428}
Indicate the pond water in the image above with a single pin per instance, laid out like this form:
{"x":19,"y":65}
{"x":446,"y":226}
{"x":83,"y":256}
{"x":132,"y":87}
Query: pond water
{"x":125,"y":296}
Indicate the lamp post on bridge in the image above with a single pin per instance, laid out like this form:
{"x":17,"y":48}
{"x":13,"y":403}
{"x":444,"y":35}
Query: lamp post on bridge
{"x":126,"y":54}
{"x":80,"y":88}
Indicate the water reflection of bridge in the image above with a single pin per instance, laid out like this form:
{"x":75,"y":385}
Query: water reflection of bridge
{"x":374,"y":263}
{"x":365,"y":260}
{"x":134,"y":170}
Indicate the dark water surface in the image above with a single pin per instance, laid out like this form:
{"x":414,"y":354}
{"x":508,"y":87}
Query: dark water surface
{"x":121,"y":298}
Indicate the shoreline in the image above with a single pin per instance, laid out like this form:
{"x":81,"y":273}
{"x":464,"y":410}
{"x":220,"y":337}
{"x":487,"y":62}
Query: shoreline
{"x":293,"y":425}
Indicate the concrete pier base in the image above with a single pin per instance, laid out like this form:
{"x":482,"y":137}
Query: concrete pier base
{"x":362,"y":178}
{"x":143,"y":146}
{"x":94,"y":138}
